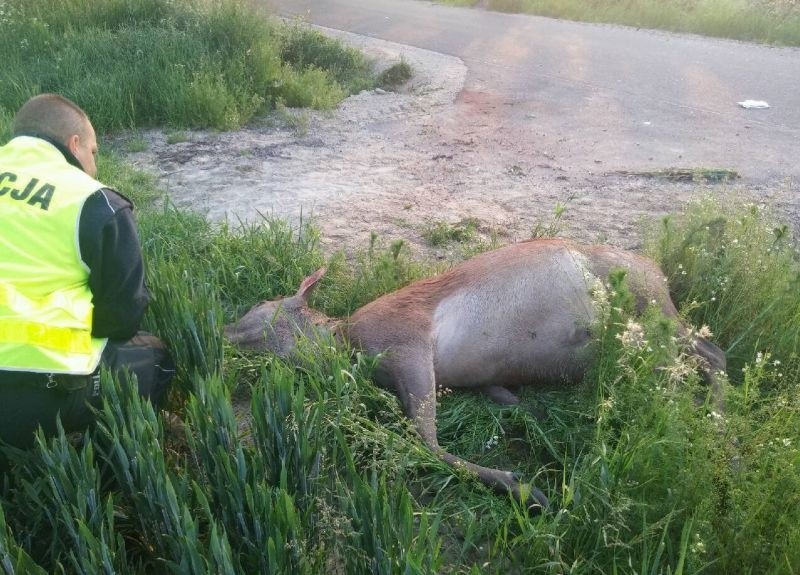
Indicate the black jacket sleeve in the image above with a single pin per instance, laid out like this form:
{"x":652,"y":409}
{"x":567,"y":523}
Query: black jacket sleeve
{"x":110,"y":248}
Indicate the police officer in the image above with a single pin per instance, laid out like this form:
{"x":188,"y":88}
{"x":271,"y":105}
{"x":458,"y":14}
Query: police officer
{"x":72,"y":290}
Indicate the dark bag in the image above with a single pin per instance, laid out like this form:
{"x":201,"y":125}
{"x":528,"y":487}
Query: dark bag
{"x":147,"y":357}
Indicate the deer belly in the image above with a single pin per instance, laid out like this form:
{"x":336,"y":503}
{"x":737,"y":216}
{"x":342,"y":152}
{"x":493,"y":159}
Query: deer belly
{"x":511,"y":345}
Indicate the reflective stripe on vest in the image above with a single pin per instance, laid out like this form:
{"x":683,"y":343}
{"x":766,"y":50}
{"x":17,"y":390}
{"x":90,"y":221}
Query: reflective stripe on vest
{"x":21,"y":331}
{"x":45,"y":300}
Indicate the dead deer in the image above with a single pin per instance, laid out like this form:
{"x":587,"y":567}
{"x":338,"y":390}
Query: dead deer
{"x":517,"y":315}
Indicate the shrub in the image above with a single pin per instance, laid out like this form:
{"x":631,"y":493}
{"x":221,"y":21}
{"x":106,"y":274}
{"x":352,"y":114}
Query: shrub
{"x":395,"y":75}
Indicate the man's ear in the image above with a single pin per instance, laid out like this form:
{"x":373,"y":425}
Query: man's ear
{"x":72,"y":143}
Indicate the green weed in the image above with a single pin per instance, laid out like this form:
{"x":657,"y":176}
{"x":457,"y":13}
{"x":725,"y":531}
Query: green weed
{"x":396,"y":75}
{"x":553,"y":227}
{"x":289,"y":469}
{"x":136,"y":144}
{"x":736,"y":270}
{"x":309,"y":468}
{"x":6,"y":121}
{"x":306,"y":49}
{"x":176,"y":137}
{"x":179,"y":63}
{"x":439,"y":233}
{"x":377,"y":270}
{"x":770,"y":21}
{"x":297,"y":119}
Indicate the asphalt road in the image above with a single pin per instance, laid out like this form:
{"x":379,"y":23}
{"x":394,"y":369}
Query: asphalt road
{"x":600,"y":97}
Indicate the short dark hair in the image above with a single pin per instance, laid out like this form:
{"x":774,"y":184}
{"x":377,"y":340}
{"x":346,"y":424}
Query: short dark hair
{"x":51,"y":115}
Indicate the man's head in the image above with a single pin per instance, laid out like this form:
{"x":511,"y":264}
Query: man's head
{"x":62,"y":120}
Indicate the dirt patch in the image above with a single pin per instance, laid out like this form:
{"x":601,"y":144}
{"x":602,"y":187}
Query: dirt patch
{"x":395,"y":163}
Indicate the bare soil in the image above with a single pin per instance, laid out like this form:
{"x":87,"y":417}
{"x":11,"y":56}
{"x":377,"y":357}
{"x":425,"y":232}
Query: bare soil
{"x":396,"y":163}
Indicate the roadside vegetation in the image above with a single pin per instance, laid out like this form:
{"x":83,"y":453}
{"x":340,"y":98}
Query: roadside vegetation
{"x":768,"y":21}
{"x":264,"y":467}
{"x":179,"y":64}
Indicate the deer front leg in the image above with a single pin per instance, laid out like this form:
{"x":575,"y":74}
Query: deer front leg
{"x":410,"y":372}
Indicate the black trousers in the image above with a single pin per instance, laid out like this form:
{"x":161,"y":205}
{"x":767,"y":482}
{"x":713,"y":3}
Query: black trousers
{"x":31,"y":400}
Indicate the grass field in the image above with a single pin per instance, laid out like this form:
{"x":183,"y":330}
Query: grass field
{"x":201,"y":64}
{"x":769,"y":21}
{"x":328,"y":476}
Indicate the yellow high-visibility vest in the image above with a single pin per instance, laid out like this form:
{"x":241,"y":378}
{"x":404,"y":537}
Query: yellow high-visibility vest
{"x":45,"y":300}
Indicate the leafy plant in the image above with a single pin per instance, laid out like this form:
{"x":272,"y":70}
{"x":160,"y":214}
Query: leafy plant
{"x":439,"y":233}
{"x":396,"y":75}
{"x":181,"y":64}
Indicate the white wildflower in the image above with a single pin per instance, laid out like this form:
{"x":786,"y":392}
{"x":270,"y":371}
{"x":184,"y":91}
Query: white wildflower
{"x":705,"y":332}
{"x":698,"y":546}
{"x":633,"y":336}
{"x":680,"y":369}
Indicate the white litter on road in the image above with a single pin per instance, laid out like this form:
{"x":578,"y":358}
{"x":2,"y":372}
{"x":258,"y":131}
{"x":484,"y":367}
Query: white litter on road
{"x":753,"y":104}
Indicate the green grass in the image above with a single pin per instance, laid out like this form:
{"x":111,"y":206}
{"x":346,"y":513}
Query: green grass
{"x":769,"y":21}
{"x":136,"y":144}
{"x":177,"y":137}
{"x":642,"y":476}
{"x":265,"y":467}
{"x":182,"y":63}
{"x":374,"y":271}
{"x":440,"y":233}
{"x":737,"y":271}
{"x":396,"y":75}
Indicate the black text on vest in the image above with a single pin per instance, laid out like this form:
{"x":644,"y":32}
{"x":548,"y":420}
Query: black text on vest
{"x":41,"y":196}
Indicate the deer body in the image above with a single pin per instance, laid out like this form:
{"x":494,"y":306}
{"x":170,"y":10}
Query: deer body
{"x":513,"y":316}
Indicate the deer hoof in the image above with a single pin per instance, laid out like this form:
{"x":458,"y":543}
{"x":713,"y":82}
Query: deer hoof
{"x":537,"y":502}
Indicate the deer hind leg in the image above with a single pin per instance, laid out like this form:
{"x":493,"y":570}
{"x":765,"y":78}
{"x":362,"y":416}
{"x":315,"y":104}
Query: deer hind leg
{"x":712,"y":366}
{"x":412,"y":377}
{"x":712,"y":369}
{"x":499,"y":394}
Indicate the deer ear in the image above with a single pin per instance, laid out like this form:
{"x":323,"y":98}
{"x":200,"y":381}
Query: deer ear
{"x":308,"y":284}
